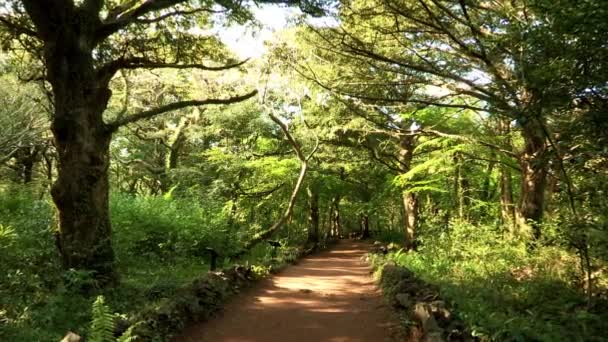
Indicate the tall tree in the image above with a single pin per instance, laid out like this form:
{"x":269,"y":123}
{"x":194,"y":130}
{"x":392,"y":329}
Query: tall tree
{"x":490,"y":56}
{"x":81,"y":46}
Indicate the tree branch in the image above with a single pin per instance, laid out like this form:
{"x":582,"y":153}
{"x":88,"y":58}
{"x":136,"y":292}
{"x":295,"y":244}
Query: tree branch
{"x":121,"y":19}
{"x":175,"y":106}
{"x":472,"y":141}
{"x":17,"y":28}
{"x":174,"y":13}
{"x":292,"y":200}
{"x":107,"y":71}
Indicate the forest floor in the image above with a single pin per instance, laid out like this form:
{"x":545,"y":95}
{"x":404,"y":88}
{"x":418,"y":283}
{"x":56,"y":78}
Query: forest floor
{"x":329,"y":296}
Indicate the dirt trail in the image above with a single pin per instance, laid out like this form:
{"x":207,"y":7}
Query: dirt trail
{"x":329,"y":297}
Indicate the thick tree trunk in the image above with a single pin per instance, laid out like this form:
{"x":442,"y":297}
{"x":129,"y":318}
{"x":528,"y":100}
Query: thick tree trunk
{"x":533,"y":164}
{"x":313,"y":215}
{"x":80,"y":191}
{"x":408,"y":199}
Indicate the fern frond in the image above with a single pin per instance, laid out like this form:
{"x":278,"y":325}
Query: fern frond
{"x":102,"y":324}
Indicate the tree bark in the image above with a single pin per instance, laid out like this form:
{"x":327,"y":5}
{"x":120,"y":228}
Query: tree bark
{"x":80,"y":191}
{"x":69,"y":32}
{"x":26,"y":158}
{"x":336,"y":220}
{"x":364,"y":226}
{"x":533,"y":164}
{"x":313,"y":215}
{"x":409,"y":200}
{"x":507,"y":207}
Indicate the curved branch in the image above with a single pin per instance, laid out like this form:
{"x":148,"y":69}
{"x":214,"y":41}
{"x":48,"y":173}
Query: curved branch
{"x":107,"y":71}
{"x":175,"y":106}
{"x":292,"y":199}
{"x":123,"y":17}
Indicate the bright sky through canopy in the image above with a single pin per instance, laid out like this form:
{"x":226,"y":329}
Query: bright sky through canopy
{"x":248,"y":42}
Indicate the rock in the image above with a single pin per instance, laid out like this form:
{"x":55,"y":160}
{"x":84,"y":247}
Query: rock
{"x":403,"y":299}
{"x":441,"y":312}
{"x":424,"y":315}
{"x":71,"y":337}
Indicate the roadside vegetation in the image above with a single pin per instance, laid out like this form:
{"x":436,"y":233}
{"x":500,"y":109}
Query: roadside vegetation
{"x":138,"y":153}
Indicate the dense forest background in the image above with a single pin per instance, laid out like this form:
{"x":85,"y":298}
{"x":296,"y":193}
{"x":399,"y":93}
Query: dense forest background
{"x":472,"y":133}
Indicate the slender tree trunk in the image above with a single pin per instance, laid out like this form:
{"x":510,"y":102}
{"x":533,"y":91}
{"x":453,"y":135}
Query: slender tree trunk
{"x":533,"y":164}
{"x":409,"y":200}
{"x":26,"y":158}
{"x":410,"y":204}
{"x":336,"y":219}
{"x":330,"y":220}
{"x":487,"y":192}
{"x":507,"y":207}
{"x":461,"y":187}
{"x":365,"y":226}
{"x":313,"y":215}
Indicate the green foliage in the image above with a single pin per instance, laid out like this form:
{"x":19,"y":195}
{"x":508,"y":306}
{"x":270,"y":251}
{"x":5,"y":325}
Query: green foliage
{"x":502,"y":290}
{"x":102,"y":322}
{"x":159,"y":244}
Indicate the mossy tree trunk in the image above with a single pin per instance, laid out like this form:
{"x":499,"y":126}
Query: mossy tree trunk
{"x":533,"y":163}
{"x":409,"y":200}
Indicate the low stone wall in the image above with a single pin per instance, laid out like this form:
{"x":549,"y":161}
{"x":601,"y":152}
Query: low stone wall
{"x":430,"y":319}
{"x":198,"y":301}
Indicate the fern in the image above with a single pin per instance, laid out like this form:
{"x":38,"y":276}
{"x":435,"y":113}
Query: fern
{"x":102,"y":325}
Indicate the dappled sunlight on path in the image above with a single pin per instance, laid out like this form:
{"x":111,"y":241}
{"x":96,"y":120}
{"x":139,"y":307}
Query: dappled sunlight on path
{"x":326,"y":297}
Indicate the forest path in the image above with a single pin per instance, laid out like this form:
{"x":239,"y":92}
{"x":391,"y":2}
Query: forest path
{"x":326,"y":297}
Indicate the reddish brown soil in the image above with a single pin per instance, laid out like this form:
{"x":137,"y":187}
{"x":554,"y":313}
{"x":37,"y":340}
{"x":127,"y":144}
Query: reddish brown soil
{"x":329,"y":297}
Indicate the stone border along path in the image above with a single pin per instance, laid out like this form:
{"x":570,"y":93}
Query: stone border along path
{"x":326,"y":297}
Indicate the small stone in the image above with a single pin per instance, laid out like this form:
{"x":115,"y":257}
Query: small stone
{"x":71,"y":337}
{"x":424,"y":315}
{"x":440,"y":311}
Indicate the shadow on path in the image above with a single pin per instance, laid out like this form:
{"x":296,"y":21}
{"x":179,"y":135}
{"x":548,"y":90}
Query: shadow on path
{"x":329,"y":296}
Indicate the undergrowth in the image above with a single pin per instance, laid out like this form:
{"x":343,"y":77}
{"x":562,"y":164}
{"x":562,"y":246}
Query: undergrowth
{"x":504,"y":291}
{"x":159,"y":244}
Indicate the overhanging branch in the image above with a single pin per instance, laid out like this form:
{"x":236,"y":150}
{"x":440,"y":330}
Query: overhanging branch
{"x":175,"y":106}
{"x":106,"y":72}
{"x":124,"y":17}
{"x":292,"y":199}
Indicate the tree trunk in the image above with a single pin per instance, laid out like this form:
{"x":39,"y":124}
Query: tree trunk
{"x":337,"y":223}
{"x":80,"y":191}
{"x":408,"y":199}
{"x":461,"y":187}
{"x":25,"y":158}
{"x":365,"y":226}
{"x":487,"y":191}
{"x":410,"y":204}
{"x":313,"y":215}
{"x":507,"y":207}
{"x":533,"y":164}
